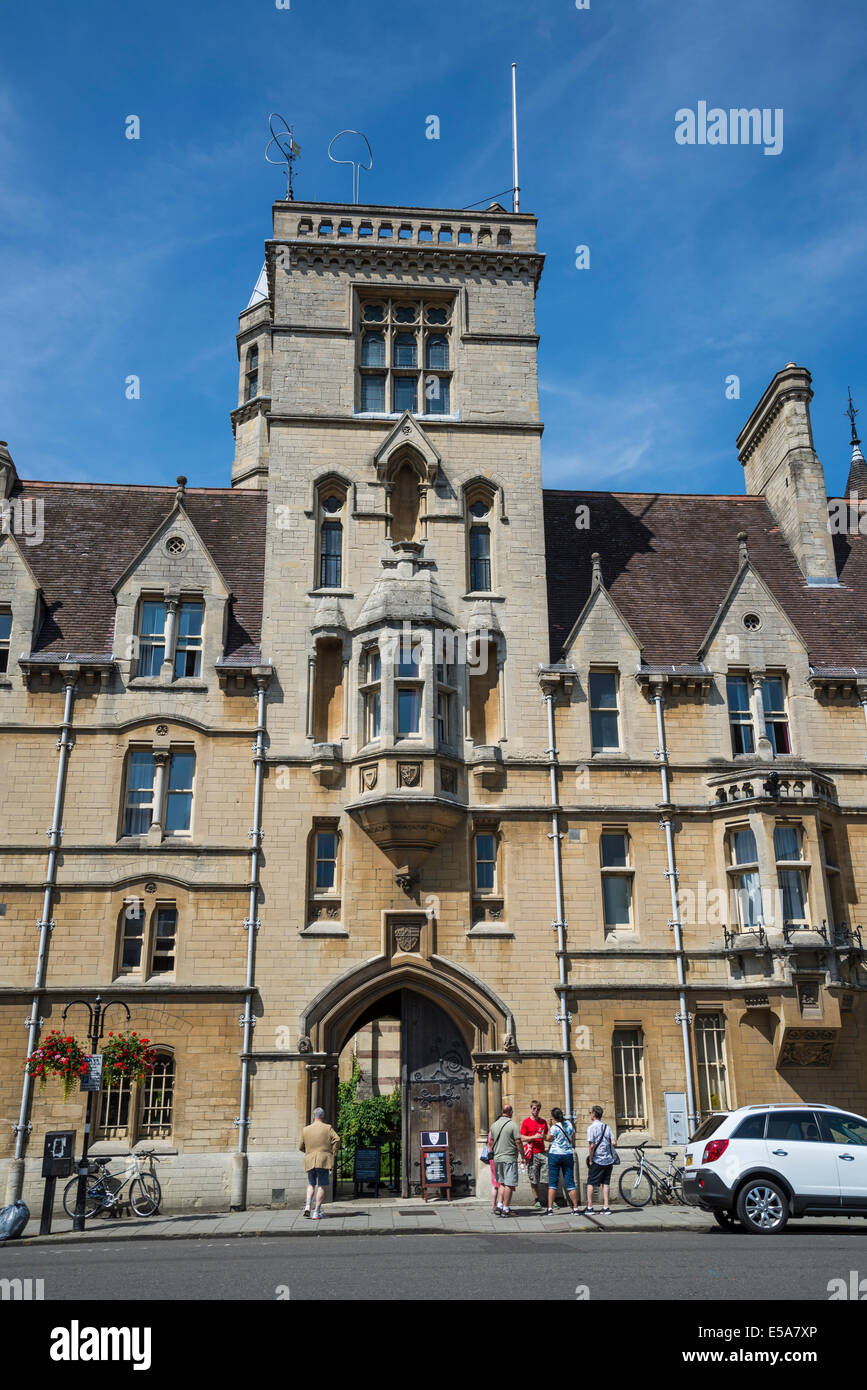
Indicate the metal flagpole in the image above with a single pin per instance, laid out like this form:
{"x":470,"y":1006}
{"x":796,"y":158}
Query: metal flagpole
{"x":516,"y":192}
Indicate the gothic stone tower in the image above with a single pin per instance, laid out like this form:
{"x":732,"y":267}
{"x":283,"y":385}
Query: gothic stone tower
{"x":388,"y":404}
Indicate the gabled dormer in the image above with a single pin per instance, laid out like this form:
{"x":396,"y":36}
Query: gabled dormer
{"x":172,"y":608}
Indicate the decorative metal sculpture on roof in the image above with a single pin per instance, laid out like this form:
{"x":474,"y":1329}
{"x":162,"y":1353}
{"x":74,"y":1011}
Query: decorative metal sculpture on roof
{"x":282,"y":140}
{"x":357,"y":165}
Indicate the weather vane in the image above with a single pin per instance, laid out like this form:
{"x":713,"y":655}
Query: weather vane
{"x":357,"y":166}
{"x":852,"y":412}
{"x":289,"y":151}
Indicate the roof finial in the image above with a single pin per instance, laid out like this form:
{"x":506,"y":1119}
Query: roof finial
{"x":181,"y":497}
{"x":857,"y":456}
{"x":852,"y":412}
{"x":856,"y":483}
{"x":597,"y":569}
{"x":743,"y":548}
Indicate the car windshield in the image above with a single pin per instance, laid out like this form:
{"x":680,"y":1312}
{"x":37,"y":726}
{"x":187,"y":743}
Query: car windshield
{"x":707,"y":1128}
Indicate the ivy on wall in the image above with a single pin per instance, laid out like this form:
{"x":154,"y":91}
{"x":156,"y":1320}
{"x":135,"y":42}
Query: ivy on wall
{"x":364,"y":1123}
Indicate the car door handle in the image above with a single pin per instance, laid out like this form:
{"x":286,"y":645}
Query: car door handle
{"x":847,"y":1158}
{"x":782,"y":1152}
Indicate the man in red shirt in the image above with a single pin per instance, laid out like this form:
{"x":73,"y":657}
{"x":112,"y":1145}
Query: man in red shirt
{"x":535,"y":1131}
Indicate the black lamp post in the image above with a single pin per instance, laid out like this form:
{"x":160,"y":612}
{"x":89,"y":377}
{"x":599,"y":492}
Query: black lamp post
{"x":97,"y":1013}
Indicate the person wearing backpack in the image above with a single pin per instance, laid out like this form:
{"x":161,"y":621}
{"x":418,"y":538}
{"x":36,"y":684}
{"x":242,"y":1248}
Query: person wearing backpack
{"x":561,"y":1159}
{"x":601,"y":1158}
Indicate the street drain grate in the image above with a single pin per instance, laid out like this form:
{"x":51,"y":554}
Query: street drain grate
{"x":415,"y":1211}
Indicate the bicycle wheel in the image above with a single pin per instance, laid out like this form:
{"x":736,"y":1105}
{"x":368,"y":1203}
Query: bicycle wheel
{"x":677,"y":1185}
{"x":145,"y":1195}
{"x":95,"y":1194}
{"x":635,"y":1187}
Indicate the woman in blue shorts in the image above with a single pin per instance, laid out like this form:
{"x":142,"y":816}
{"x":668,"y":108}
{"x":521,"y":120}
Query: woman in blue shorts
{"x":561,"y":1159}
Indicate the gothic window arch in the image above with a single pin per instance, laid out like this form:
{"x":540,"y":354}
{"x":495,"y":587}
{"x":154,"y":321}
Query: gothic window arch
{"x":328,"y":688}
{"x":331,"y":495}
{"x":405,"y":503}
{"x":479,"y":499}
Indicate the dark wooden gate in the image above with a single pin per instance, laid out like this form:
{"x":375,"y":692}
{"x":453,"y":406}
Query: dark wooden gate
{"x":437,"y":1076}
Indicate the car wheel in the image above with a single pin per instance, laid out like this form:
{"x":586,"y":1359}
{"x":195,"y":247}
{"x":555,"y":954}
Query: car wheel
{"x":763,"y":1208}
{"x":726,"y":1219}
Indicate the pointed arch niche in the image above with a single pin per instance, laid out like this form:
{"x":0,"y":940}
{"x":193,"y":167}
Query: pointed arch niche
{"x":406,"y":466}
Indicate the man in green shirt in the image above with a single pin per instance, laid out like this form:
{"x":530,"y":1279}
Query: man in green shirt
{"x":506,"y":1141}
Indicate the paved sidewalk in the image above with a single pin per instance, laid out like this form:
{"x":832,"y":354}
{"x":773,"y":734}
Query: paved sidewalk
{"x":468,"y":1216}
{"x":371,"y":1217}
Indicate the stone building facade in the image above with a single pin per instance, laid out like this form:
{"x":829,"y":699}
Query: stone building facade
{"x":569,"y":784}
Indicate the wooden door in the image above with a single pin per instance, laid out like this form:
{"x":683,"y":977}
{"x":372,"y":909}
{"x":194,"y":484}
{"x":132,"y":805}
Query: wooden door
{"x":437,"y":1076}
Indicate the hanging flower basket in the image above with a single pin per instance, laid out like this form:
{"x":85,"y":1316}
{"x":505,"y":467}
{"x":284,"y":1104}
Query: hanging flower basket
{"x":126,"y":1057}
{"x":58,"y":1055}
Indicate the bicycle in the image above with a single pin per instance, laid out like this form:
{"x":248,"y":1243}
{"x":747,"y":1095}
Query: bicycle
{"x":639,"y":1184}
{"x":104,"y":1189}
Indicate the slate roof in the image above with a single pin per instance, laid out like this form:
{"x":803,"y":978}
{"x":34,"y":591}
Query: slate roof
{"x":668,"y":561}
{"x":94,"y":530}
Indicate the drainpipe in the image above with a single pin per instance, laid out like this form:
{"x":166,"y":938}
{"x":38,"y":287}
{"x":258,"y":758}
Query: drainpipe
{"x":15,"y":1176}
{"x":238,"y":1200}
{"x":551,"y":680}
{"x":683,"y":1017}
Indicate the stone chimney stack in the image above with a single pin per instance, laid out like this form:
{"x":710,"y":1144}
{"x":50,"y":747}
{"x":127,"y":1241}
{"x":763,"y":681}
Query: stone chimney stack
{"x":775,"y":447}
{"x":8,"y":475}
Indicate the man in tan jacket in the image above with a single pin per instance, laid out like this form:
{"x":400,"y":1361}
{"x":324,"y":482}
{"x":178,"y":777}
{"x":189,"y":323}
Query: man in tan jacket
{"x":319,"y":1144}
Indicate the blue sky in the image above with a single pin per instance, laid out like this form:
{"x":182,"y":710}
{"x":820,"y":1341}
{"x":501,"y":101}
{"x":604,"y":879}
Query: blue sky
{"x":121,"y":257}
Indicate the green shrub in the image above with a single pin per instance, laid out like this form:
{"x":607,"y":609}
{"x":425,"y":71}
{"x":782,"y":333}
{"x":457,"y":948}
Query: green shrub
{"x":362,"y":1124}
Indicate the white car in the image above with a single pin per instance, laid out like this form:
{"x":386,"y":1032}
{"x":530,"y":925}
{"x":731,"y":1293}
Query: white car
{"x":762,"y":1164}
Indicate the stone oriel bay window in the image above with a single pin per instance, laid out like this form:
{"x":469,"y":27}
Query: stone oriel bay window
{"x":744,"y":880}
{"x":408,"y":691}
{"x":158,"y":792}
{"x":447,"y":730}
{"x":370,"y":690}
{"x":833,"y":878}
{"x":792,"y":873}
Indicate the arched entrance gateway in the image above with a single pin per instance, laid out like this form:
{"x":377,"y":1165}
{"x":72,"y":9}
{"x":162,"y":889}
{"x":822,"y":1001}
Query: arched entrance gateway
{"x":451,"y":1048}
